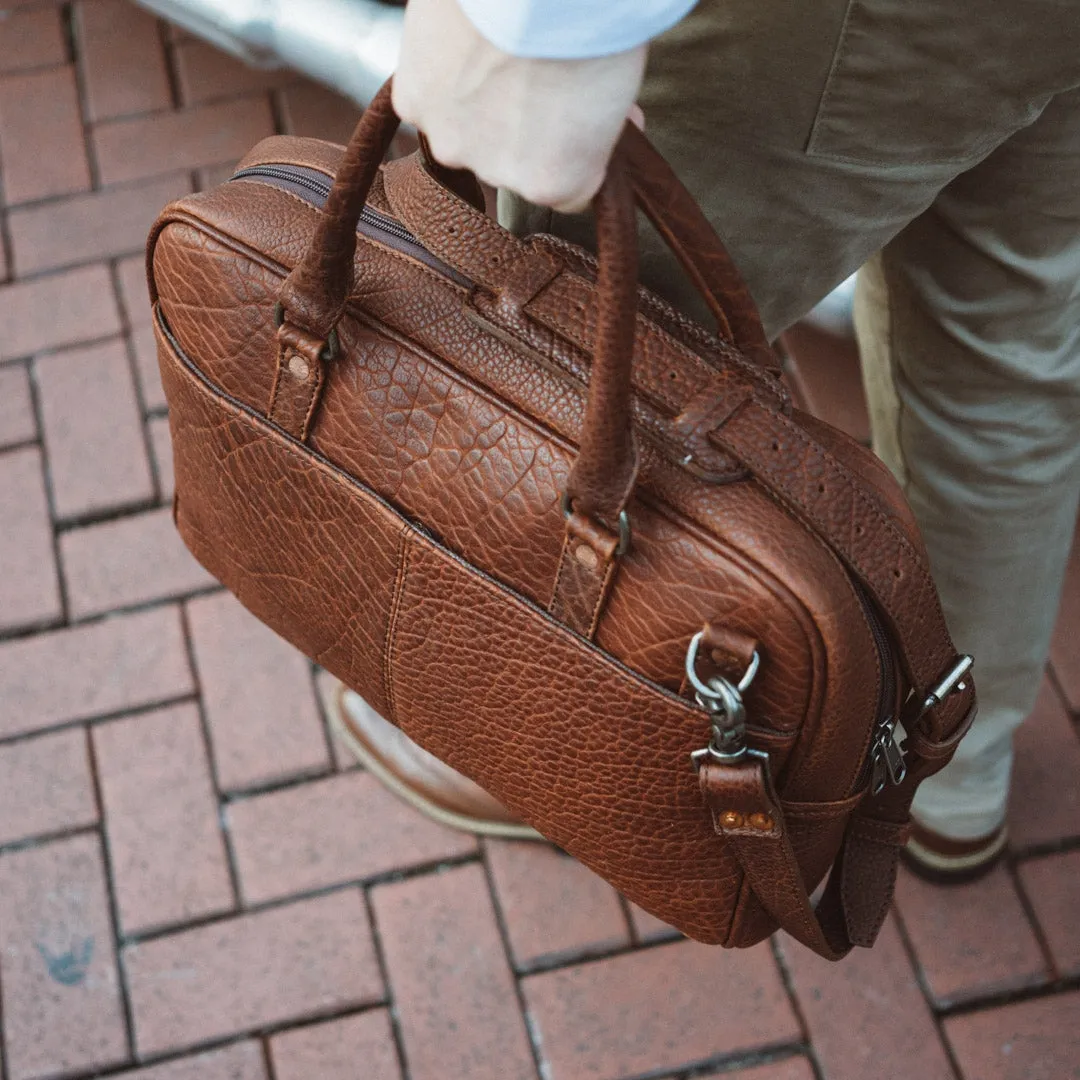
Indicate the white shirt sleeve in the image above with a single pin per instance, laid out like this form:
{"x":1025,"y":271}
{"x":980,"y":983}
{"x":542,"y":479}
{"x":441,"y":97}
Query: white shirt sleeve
{"x":572,"y":29}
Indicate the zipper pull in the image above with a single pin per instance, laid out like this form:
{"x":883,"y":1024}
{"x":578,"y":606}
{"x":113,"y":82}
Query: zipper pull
{"x":886,"y":757}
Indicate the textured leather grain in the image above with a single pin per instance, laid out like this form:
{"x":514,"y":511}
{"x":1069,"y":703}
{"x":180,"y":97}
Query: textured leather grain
{"x":413,"y":444}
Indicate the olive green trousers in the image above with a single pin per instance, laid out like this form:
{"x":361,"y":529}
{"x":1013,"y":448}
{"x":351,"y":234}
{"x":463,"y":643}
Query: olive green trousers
{"x":935,"y":144}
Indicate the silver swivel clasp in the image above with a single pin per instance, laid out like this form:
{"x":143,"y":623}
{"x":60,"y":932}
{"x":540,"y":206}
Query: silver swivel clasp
{"x":723,"y":700}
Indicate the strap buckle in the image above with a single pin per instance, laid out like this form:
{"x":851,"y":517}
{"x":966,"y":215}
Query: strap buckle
{"x":950,"y":683}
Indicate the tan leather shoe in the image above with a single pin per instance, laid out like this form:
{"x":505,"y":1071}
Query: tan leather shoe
{"x":421,"y":779}
{"x":945,"y":861}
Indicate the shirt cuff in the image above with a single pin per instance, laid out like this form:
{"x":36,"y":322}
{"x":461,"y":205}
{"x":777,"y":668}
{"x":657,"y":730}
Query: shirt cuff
{"x":572,"y":29}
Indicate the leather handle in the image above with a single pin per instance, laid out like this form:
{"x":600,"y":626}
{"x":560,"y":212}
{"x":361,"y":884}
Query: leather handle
{"x":313,"y":296}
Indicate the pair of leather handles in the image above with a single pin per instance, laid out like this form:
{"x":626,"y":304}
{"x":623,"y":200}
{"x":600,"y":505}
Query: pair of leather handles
{"x":315,"y":293}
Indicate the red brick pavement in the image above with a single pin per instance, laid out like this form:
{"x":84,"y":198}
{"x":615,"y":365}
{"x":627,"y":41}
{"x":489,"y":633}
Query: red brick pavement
{"x":196,"y":884}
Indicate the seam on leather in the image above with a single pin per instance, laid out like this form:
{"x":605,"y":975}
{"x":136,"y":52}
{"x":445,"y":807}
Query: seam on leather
{"x":278,"y":368}
{"x":314,"y":397}
{"x":404,"y":548}
{"x":601,"y":598}
{"x":744,"y":897}
{"x":556,"y":592}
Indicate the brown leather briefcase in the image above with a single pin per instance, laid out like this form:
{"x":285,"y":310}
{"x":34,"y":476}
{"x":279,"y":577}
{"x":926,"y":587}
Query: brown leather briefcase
{"x":577,"y":546}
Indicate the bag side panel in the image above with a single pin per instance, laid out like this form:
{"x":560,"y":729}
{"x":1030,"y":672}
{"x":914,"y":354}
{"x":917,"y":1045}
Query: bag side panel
{"x":256,"y":518}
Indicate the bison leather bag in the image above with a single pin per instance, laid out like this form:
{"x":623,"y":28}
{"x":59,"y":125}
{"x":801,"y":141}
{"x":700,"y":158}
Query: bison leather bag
{"x":577,"y":546}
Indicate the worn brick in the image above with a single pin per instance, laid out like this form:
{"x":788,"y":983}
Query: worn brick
{"x":93,"y":430}
{"x":1042,"y":809}
{"x":165,"y":844}
{"x":867,"y":1012}
{"x":30,"y":39}
{"x":135,"y":299}
{"x":123,"y":59}
{"x":1065,"y":648}
{"x":61,"y":998}
{"x":552,"y":906}
{"x":119,"y":663}
{"x":147,"y":372}
{"x":345,"y":828}
{"x":648,"y":927}
{"x":161,"y":448}
{"x":41,"y":136}
{"x":134,"y":294}
{"x":793,"y":1068}
{"x":29,"y":590}
{"x":1033,"y":1040}
{"x":654,"y":1011}
{"x":290,"y":963}
{"x":240,"y":1061}
{"x":207,"y":135}
{"x":63,"y":309}
{"x":128,"y":561}
{"x":264,"y":723}
{"x":45,"y":786}
{"x":208,"y":74}
{"x":313,"y":110}
{"x":1052,"y":885}
{"x":450,"y":978}
{"x":99,"y":225}
{"x":970,"y":940}
{"x":337,"y":1049}
{"x":17,"y":423}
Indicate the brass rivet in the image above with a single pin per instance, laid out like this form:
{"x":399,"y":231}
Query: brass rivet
{"x":586,"y":556}
{"x":731,"y":819}
{"x":761,"y":822}
{"x":298,"y":366}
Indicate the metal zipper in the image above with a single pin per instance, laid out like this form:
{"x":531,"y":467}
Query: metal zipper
{"x":314,"y":187}
{"x":885,"y":761}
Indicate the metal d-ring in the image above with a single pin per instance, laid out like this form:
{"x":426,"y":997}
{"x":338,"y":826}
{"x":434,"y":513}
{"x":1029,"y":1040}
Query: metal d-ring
{"x":333,"y":344}
{"x":723,"y":701}
{"x":707,"y":690}
{"x":623,"y":545}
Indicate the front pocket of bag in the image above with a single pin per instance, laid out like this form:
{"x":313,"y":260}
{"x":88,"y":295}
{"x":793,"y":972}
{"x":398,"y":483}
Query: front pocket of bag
{"x":917,"y":83}
{"x":584,"y":749}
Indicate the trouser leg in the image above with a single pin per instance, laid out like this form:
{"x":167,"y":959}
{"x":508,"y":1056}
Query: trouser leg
{"x":969,"y":328}
{"x":815,"y":135}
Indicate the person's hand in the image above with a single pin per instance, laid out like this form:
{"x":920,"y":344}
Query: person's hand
{"x":542,"y":128}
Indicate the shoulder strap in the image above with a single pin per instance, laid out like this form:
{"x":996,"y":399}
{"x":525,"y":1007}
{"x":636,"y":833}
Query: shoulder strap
{"x":836,"y":504}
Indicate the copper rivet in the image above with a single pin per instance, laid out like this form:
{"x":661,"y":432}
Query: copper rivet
{"x":761,"y":822}
{"x":731,"y":819}
{"x":586,"y":556}
{"x":298,"y":366}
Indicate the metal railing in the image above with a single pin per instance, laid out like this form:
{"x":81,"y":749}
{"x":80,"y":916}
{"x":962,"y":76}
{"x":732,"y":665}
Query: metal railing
{"x":349,"y":45}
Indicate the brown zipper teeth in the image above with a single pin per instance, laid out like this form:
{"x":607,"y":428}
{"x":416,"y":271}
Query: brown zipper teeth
{"x":314,"y":188}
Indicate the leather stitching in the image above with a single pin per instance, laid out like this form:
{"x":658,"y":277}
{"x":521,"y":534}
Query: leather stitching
{"x":314,"y":397}
{"x":391,"y":624}
{"x":556,"y":594}
{"x":601,"y":596}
